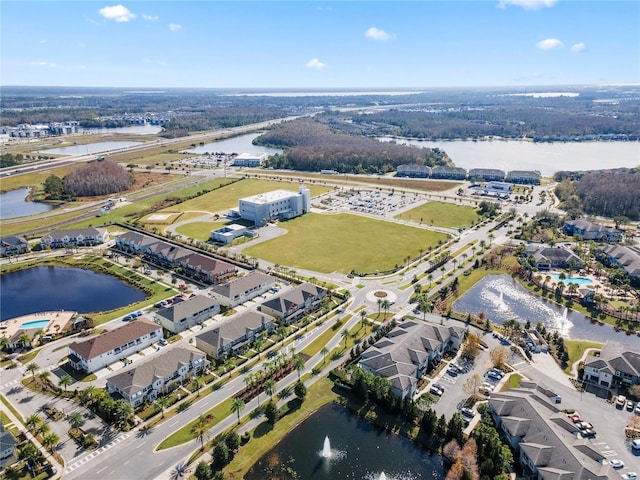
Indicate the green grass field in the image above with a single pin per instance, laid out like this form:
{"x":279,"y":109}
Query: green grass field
{"x":327,"y":243}
{"x":575,"y":349}
{"x":225,"y":198}
{"x":441,"y":214}
{"x":199,"y":230}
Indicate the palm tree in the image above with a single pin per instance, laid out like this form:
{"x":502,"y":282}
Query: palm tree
{"x":4,"y":343}
{"x":32,"y":368}
{"x":123,"y":410}
{"x":65,"y":381}
{"x":270,"y":387}
{"x":200,"y":430}
{"x":455,"y":263}
{"x":345,"y":334}
{"x":107,"y":406}
{"x":443,"y":269}
{"x":32,"y":422}
{"x":49,"y":441}
{"x":298,"y":364}
{"x":44,"y":377}
{"x":386,"y":304}
{"x":197,"y":383}
{"x":88,"y":394}
{"x":75,"y":420}
{"x":363,"y":318}
{"x":430,"y":278}
{"x":163,"y":402}
{"x":42,"y":429}
{"x":324,"y":352}
{"x":24,"y":340}
{"x":379,"y":305}
{"x":237,"y":405}
{"x":258,"y":344}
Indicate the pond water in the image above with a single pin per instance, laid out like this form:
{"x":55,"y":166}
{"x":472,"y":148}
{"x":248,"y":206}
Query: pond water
{"x":239,"y":144}
{"x":358,"y":450}
{"x":501,"y":298}
{"x":89,"y":148}
{"x":547,"y":158}
{"x":42,"y":289}
{"x":13,"y":204}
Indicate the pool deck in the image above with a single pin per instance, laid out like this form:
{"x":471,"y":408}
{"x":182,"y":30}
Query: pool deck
{"x":9,"y":328}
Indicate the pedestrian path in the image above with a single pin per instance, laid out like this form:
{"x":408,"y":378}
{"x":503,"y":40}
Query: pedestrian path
{"x":24,"y":371}
{"x":87,"y":458}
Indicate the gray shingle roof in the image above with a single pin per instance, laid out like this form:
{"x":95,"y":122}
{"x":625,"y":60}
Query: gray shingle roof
{"x":160,"y":366}
{"x":234,"y":328}
{"x":187,"y":308}
{"x":243,"y":284}
{"x":287,"y":300}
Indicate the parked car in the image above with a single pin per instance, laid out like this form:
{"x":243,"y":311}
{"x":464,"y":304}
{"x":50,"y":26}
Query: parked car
{"x":630,"y":406}
{"x":467,"y":412}
{"x":588,"y":433}
{"x":575,"y":418}
{"x":435,"y":391}
{"x":584,"y":425}
{"x":494,"y":375}
{"x":635,"y":444}
{"x":630,"y":476}
{"x":620,"y":401}
{"x":615,"y":463}
{"x":452,"y":372}
{"x":439,"y":386}
{"x":637,"y":410}
{"x":163,"y":342}
{"x":127,"y":318}
{"x":497,"y":372}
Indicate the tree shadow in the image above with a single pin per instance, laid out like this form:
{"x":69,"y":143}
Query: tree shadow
{"x":262,"y":429}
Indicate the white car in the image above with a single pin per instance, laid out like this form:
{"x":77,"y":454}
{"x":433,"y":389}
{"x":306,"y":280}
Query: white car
{"x":615,"y":463}
{"x":630,"y":476}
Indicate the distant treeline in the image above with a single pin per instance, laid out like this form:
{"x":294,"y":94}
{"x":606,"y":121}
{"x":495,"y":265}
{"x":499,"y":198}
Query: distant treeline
{"x":96,"y":178}
{"x":507,"y":121}
{"x":313,"y":146}
{"x":10,"y":160}
{"x":222,"y":117}
{"x":609,"y":193}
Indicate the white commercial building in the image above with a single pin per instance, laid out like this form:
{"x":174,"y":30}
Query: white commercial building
{"x":278,"y":204}
{"x":250,"y":160}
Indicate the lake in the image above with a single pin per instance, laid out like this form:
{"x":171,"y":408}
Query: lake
{"x":502,"y":298}
{"x":147,"y":129}
{"x":100,"y":147}
{"x":48,"y":288}
{"x":547,"y":158}
{"x":359,"y":450}
{"x":13,"y":204}
{"x":239,"y":144}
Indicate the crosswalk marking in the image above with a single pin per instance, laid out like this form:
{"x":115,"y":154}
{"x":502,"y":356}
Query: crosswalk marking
{"x":96,"y":453}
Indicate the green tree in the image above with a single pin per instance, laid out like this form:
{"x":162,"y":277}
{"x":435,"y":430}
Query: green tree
{"x":32,"y":422}
{"x":76,"y":420}
{"x":32,"y":368}
{"x":24,"y":340}
{"x":298,"y":364}
{"x":324,"y":352}
{"x":200,"y":430}
{"x":50,"y":440}
{"x":270,"y":387}
{"x":300,"y":390}
{"x":123,"y":410}
{"x":271,"y":412}
{"x":237,"y":406}
{"x":345,"y":335}
{"x":197,"y":383}
{"x":163,"y":403}
{"x":54,"y":188}
{"x":220,"y":455}
{"x":233,"y":441}
{"x":65,"y":381}
{"x":203,"y":471}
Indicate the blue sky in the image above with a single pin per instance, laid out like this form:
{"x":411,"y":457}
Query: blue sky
{"x":298,"y":44}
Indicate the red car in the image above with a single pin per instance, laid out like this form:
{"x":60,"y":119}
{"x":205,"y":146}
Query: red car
{"x":575,"y":418}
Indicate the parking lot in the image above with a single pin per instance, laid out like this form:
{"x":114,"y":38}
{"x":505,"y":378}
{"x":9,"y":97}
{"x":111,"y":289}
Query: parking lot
{"x":367,"y":201}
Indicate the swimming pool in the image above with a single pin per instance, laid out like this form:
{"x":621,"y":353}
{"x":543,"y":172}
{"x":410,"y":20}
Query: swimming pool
{"x":35,"y":324}
{"x":580,"y":281}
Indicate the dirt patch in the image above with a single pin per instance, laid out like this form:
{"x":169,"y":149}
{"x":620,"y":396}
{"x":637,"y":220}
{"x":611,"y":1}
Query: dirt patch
{"x":380,"y":294}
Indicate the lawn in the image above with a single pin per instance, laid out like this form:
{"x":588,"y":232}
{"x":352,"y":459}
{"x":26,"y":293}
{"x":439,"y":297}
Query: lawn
{"x":575,"y":349}
{"x":227,"y":197}
{"x":441,"y":214}
{"x":34,"y":179}
{"x":344,"y":242}
{"x":199,"y":230}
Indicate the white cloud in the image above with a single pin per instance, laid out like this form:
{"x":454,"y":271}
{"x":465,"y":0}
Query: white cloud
{"x":315,"y":63}
{"x":44,"y":64}
{"x":376,"y":34}
{"x":149,"y":18}
{"x":119,"y":13}
{"x":578,"y":47}
{"x":175,"y":27}
{"x":527,"y":4}
{"x":43,"y":41}
{"x":549,"y":44}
